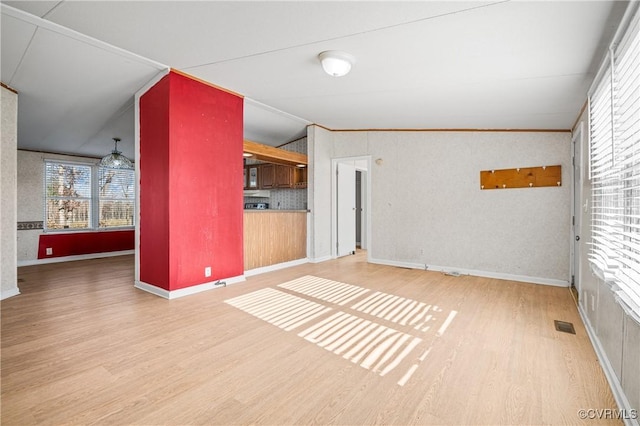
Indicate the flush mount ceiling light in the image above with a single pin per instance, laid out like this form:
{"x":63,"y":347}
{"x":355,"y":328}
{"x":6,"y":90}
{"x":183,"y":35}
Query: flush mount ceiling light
{"x":116,"y":160}
{"x":247,"y":154}
{"x":336,"y":63}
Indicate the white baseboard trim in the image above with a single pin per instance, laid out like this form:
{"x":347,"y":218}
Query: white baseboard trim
{"x":614,"y":383}
{"x":149,"y":288}
{"x":72,"y":258}
{"x":320,"y":259}
{"x":474,"y":272}
{"x":5,"y":294}
{"x":277,"y":266}
{"x":174,"y":294}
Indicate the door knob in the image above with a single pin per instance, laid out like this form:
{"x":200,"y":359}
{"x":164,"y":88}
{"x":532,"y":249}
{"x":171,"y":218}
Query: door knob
{"x":577,"y":237}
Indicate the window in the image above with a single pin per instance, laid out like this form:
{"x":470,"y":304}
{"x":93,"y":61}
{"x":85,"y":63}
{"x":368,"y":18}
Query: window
{"x":68,"y":196}
{"x":84,"y":196}
{"x":116,"y":197}
{"x":614,"y":112}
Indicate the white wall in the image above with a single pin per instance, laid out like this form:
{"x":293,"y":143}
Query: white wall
{"x":428,"y":209}
{"x":8,"y":170}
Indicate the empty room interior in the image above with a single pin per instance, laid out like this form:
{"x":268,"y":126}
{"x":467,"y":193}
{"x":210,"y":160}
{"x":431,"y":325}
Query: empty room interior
{"x":346,"y":212}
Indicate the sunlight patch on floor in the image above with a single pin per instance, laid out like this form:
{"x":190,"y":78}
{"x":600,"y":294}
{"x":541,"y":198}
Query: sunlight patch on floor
{"x":370,"y":345}
{"x":280,"y":309}
{"x":324,"y":289}
{"x":398,"y":310}
{"x":360,"y":337}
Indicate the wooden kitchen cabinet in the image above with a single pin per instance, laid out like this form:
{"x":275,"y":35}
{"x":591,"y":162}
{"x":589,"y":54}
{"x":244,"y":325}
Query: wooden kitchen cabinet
{"x":280,"y":176}
{"x":284,"y":176}
{"x":300,"y":177}
{"x":267,"y":176}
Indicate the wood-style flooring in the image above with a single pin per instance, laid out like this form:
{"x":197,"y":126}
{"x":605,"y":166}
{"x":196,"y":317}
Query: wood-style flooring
{"x":339,"y":342}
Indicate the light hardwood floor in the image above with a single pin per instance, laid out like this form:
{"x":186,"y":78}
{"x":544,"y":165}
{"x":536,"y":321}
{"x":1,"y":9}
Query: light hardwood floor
{"x":370,"y":344}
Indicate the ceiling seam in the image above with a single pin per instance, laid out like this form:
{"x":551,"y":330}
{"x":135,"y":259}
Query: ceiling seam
{"x":45,"y":24}
{"x":428,"y":18}
{"x":121,"y":111}
{"x":24,"y":54}
{"x":45,"y":16}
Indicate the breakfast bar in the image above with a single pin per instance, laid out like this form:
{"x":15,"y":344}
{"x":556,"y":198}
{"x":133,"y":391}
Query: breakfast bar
{"x":274,"y":236}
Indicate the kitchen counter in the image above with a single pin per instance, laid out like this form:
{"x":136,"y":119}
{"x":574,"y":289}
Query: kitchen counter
{"x":274,"y":211}
{"x":274,"y":236}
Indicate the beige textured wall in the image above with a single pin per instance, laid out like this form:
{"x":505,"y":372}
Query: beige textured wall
{"x":320,"y":152}
{"x":427,"y":207}
{"x":8,"y":169}
{"x":31,"y":202}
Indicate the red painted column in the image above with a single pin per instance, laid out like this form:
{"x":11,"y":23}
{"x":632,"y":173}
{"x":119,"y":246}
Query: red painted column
{"x":191,"y":138}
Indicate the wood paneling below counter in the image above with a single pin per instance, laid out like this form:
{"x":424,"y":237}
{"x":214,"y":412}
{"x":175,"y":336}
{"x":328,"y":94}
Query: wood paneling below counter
{"x":274,"y":236}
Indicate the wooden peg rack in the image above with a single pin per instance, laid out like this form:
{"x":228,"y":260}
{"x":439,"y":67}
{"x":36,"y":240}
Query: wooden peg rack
{"x":522,"y":177}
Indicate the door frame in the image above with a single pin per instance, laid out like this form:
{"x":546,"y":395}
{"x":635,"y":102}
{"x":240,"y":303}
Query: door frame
{"x":366,"y":230}
{"x":577,"y":150}
{"x":346,"y":208}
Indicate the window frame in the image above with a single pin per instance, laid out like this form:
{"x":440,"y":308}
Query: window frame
{"x":614,"y":165}
{"x":99,"y":198}
{"x":94,"y":200}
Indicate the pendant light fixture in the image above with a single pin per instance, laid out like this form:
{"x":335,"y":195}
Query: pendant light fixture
{"x":116,"y":160}
{"x":336,"y":63}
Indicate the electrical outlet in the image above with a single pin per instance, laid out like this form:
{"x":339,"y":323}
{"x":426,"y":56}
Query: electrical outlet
{"x":207,"y":271}
{"x":49,"y":251}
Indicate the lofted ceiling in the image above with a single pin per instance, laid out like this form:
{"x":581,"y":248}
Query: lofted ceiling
{"x":419,"y":65}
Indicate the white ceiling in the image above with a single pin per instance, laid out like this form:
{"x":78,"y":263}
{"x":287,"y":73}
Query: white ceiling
{"x":420,"y":65}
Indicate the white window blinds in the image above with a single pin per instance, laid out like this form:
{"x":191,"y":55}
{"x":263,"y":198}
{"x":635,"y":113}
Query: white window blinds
{"x":67,"y":196}
{"x":614,"y":110}
{"x":86,"y":196}
{"x":117,"y":198}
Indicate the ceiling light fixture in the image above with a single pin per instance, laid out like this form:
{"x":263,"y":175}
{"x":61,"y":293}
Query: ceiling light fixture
{"x":336,"y":63}
{"x":116,"y":160}
{"x":247,"y":154}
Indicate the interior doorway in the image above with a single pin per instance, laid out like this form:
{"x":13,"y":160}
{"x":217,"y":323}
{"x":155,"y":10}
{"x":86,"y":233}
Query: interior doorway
{"x":351,"y":195}
{"x":346,"y":206}
{"x":359,"y":209}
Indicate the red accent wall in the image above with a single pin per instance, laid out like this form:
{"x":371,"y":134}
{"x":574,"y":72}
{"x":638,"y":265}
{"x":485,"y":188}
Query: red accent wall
{"x":77,"y":243}
{"x":154,"y":185}
{"x":191,"y":213}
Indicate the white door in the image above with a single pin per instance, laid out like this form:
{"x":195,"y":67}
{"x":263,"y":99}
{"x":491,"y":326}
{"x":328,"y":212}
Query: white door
{"x":346,"y":217}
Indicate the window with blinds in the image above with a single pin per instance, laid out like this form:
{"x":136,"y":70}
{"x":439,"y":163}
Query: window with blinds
{"x":67,"y":196}
{"x":85,"y":196}
{"x":116,"y":197}
{"x":614,"y":112}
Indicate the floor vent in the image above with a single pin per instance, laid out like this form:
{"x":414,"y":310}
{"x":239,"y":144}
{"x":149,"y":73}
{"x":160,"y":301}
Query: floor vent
{"x":565,"y":327}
